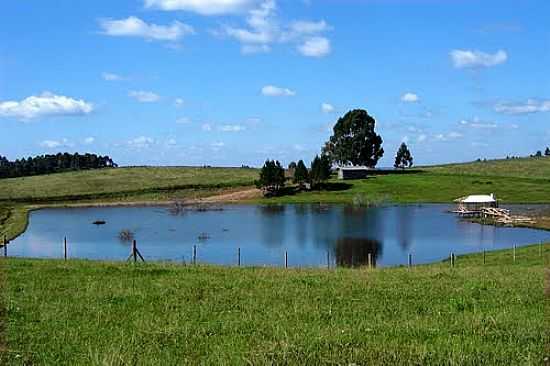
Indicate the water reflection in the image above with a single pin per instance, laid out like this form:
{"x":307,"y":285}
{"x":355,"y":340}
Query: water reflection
{"x":354,"y":252}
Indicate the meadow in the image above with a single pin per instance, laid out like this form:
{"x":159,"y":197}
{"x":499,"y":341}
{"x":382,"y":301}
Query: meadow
{"x":100,"y":313}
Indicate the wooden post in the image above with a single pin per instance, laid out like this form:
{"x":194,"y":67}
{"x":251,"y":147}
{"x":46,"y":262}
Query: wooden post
{"x":410,"y":260}
{"x":238,"y":257}
{"x":134,"y":251}
{"x":540,"y":249}
{"x":514,"y":253}
{"x":369,"y":260}
{"x":328,"y":259}
{"x":484,"y":257}
{"x":194,"y":254}
{"x":286,"y":259}
{"x":5,"y":246}
{"x":452,"y":259}
{"x":65,"y":248}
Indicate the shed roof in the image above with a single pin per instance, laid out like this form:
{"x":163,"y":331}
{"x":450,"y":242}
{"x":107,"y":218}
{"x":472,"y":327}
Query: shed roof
{"x":480,"y":198}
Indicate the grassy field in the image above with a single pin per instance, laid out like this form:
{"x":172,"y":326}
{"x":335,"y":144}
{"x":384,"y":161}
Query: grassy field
{"x":96,"y":313}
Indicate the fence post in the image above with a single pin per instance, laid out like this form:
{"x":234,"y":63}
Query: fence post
{"x":410,"y":260}
{"x":514,"y":253}
{"x":328,"y":259}
{"x":452,"y":259}
{"x":369,"y":260}
{"x":134,"y":252}
{"x":540,"y":249}
{"x":484,"y":256}
{"x":5,"y":246}
{"x":238,"y":257}
{"x":194,"y":254}
{"x":65,"y":248}
{"x":286,"y":259}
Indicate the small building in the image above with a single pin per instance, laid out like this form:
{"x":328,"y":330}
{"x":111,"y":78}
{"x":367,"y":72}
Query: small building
{"x":353,"y":172}
{"x":476,"y":203}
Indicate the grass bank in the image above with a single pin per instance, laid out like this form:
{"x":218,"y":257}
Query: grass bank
{"x":96,"y":313}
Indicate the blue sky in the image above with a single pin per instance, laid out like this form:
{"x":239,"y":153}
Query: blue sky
{"x":231,"y":82}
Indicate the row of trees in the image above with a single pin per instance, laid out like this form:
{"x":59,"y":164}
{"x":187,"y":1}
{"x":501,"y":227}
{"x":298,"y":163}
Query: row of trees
{"x":272,"y":175}
{"x":46,"y":164}
{"x":354,"y":142}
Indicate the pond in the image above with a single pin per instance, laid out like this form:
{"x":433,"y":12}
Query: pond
{"x":312,"y":235}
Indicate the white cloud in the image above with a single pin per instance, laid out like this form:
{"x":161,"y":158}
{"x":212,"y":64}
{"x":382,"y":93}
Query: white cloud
{"x":183,"y":121}
{"x":89,"y":140}
{"x":528,"y":107}
{"x":135,"y":27}
{"x":53,"y":144}
{"x":421,"y":138}
{"x":327,"y":108}
{"x":232,"y":128}
{"x":171,"y":142}
{"x":475,"y":59}
{"x":45,"y":105}
{"x":275,"y":91}
{"x":476,"y":122}
{"x":217,"y":144}
{"x":178,"y":102}
{"x":453,"y":135}
{"x":410,"y":98}
{"x":203,"y":7}
{"x":315,"y":47}
{"x":144,"y":96}
{"x":206,"y":127}
{"x":141,"y":142}
{"x":108,"y":76}
{"x":263,"y":29}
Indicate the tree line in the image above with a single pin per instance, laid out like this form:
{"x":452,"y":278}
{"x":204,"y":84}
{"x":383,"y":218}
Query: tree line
{"x":354,"y":142}
{"x":46,"y":164}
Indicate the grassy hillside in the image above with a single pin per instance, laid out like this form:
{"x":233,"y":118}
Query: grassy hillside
{"x":524,"y":167}
{"x":93,"y":313}
{"x":121,"y":182}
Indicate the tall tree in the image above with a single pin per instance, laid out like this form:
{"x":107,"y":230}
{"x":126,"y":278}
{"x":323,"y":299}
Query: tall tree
{"x":301,"y":174}
{"x":354,"y":140}
{"x":320,"y":170}
{"x":547,"y":151}
{"x":403,"y":158}
{"x":272,"y":178}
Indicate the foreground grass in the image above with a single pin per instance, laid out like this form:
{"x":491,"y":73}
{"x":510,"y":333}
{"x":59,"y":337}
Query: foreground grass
{"x":93,"y":313}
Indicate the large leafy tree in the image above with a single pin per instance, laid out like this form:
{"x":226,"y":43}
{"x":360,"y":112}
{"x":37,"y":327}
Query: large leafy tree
{"x":320,"y":170}
{"x":354,"y":140}
{"x":301,"y":174}
{"x":403,"y":158}
{"x":272,"y":178}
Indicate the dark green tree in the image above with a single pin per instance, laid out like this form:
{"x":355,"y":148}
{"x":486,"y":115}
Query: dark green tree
{"x":320,"y":170}
{"x":547,"y":151}
{"x":292,"y":165}
{"x":272,"y":178}
{"x":403,"y":158}
{"x":538,"y":154}
{"x":301,"y":174}
{"x":354,"y":140}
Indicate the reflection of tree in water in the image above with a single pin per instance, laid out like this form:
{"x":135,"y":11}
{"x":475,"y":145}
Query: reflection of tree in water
{"x":404,"y":232}
{"x":354,"y":252}
{"x":272,"y":224}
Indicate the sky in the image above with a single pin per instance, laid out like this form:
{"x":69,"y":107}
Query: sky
{"x":232,"y":82}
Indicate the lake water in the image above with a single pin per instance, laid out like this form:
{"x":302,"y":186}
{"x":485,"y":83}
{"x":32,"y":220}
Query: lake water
{"x":311,"y":234}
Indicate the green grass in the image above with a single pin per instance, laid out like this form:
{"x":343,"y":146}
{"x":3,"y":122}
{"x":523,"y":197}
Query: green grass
{"x":524,"y":167}
{"x":96,"y":313}
{"x":121,"y":183}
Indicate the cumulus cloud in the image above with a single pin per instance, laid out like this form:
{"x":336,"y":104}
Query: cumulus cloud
{"x":45,"y":105}
{"x":476,"y":122}
{"x":232,"y":128}
{"x":203,"y":7}
{"x":53,"y":144}
{"x":178,"y":102}
{"x":183,"y":121}
{"x":476,"y":59}
{"x":206,"y":127}
{"x":315,"y":47}
{"x":135,"y":27}
{"x":144,"y":96}
{"x":108,"y":76}
{"x":421,"y":138}
{"x":527,"y":107}
{"x":263,"y":29}
{"x":89,"y":140}
{"x":275,"y":91}
{"x":327,"y":108}
{"x":453,"y":135}
{"x":217,"y":144}
{"x":141,"y":142}
{"x":410,"y":98}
